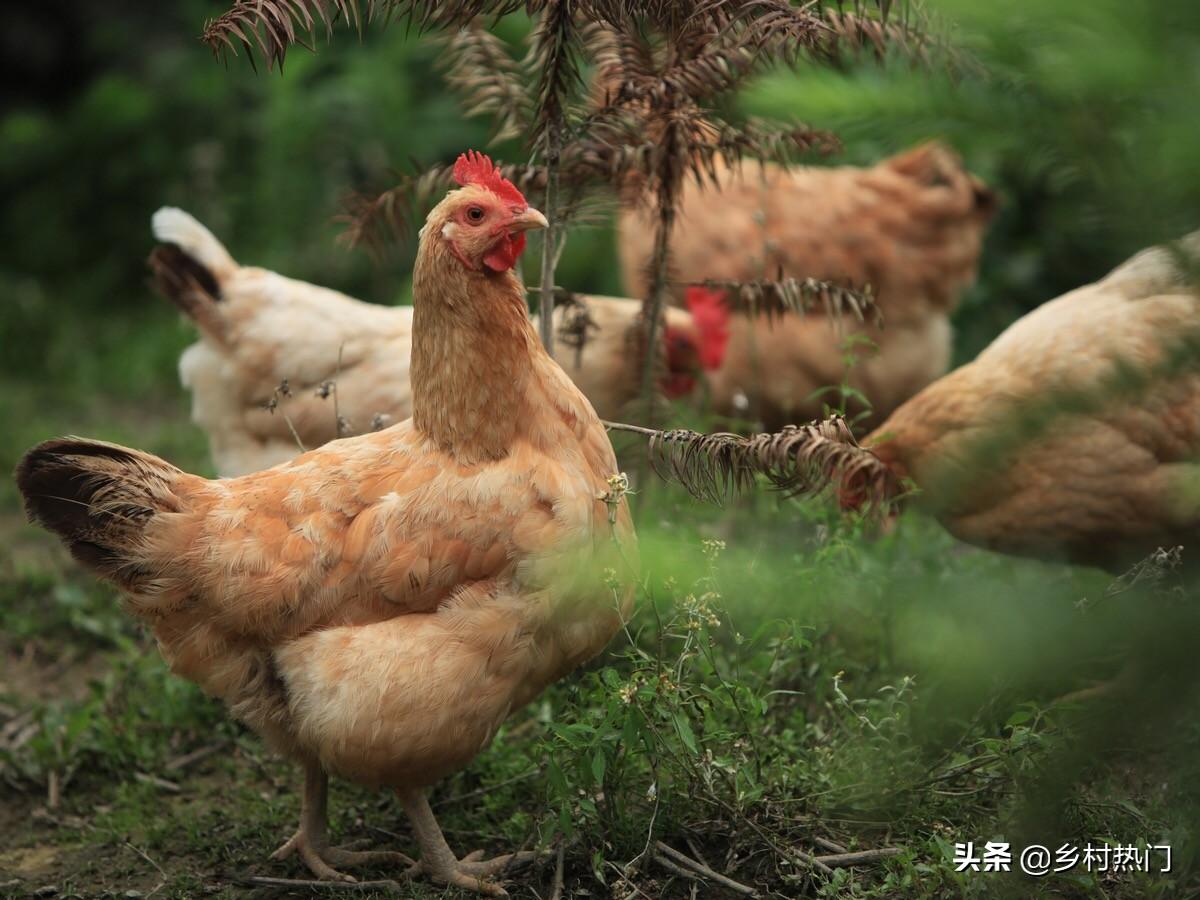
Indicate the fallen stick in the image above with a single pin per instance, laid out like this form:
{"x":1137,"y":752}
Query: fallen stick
{"x":194,"y":756}
{"x":842,"y":860}
{"x":827,"y":844}
{"x":557,"y":893}
{"x":160,"y":783}
{"x":53,"y":790}
{"x":703,"y":870}
{"x":298,"y":883}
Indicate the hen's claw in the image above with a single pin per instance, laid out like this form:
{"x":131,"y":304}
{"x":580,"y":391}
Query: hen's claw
{"x":311,"y":844}
{"x":472,"y":873}
{"x":321,"y":859}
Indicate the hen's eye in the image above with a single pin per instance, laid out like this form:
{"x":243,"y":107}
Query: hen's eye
{"x":474,"y":214}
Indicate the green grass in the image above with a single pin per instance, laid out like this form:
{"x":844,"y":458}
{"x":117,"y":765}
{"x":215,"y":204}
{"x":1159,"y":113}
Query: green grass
{"x":790,"y":675}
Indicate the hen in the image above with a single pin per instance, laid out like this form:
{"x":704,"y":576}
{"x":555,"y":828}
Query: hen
{"x":912,"y":227}
{"x":1076,"y":434}
{"x":376,"y":608}
{"x":260,"y":330}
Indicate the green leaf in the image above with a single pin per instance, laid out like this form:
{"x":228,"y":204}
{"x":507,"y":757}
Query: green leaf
{"x":598,"y":763}
{"x":685,"y":732}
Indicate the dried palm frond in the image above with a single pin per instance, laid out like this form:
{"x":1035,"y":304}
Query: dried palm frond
{"x":797,"y":295}
{"x":800,"y":460}
{"x":273,"y":26}
{"x":554,"y":53}
{"x":713,"y":71}
{"x":685,"y":141}
{"x":776,"y":24}
{"x":851,"y":34}
{"x":488,"y":79}
{"x":617,"y":55}
{"x":767,"y":142}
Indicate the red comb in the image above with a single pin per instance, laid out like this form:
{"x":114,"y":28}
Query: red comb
{"x":711,"y":316}
{"x":475,"y":168}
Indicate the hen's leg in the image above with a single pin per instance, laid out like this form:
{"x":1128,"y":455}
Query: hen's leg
{"x":311,"y":840}
{"x":439,"y":862}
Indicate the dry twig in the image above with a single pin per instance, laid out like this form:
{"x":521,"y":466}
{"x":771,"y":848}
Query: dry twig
{"x":357,"y":887}
{"x":799,"y":460}
{"x":844,"y":860}
{"x":701,"y":870}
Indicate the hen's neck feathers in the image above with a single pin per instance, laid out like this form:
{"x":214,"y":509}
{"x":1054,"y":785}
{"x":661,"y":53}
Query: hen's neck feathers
{"x":473,"y":356}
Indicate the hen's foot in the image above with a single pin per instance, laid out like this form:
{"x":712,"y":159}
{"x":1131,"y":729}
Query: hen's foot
{"x":322,"y":859}
{"x":472,"y":873}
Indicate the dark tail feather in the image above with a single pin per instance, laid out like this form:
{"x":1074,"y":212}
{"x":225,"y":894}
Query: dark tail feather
{"x":99,"y":499}
{"x":189,"y":285}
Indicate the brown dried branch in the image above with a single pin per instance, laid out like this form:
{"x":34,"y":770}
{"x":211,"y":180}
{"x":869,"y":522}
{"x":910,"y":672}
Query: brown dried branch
{"x":478,"y":65}
{"x":852,"y":34}
{"x":845,"y":860}
{"x":767,"y":142}
{"x":554,"y":54}
{"x":714,"y":71}
{"x":796,"y":295}
{"x":775,"y":24}
{"x":799,"y":460}
{"x":273,"y":26}
{"x":693,"y":869}
{"x":386,"y":885}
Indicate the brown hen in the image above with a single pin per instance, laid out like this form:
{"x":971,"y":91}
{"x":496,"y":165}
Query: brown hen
{"x":911,"y":227}
{"x":1076,"y":434}
{"x":376,"y":608}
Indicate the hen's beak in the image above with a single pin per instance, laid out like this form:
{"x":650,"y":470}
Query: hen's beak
{"x":527,"y":220}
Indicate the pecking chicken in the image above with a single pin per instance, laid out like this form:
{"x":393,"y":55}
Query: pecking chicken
{"x":1076,"y":434}
{"x":912,"y":227}
{"x":343,"y":363}
{"x":377,"y":607}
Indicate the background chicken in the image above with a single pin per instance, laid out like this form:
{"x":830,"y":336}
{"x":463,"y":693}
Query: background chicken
{"x":378,"y":607}
{"x":347,"y":361}
{"x":912,"y":227}
{"x":1076,"y":434}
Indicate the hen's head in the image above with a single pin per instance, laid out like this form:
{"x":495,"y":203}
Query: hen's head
{"x":483,"y":223}
{"x":695,"y":340}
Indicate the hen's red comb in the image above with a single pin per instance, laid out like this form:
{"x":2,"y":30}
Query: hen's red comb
{"x":475,"y":168}
{"x":711,"y":315}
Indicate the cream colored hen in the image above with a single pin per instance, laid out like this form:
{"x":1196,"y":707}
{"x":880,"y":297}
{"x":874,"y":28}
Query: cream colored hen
{"x":1076,"y":434}
{"x":912,"y":227}
{"x":259,"y":330}
{"x":376,"y":608}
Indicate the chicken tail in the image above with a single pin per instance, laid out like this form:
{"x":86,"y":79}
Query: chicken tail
{"x":99,"y":499}
{"x":189,"y":266}
{"x":1161,"y":269}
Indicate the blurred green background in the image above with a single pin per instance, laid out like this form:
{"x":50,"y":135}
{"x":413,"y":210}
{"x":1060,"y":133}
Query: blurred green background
{"x":1087,"y":124}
